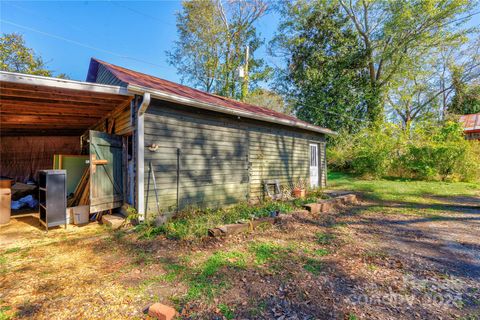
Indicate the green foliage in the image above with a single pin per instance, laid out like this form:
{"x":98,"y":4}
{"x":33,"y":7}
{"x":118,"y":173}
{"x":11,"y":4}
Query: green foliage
{"x":432,"y":151}
{"x":265,"y":252}
{"x":226,"y":311}
{"x":441,"y":152}
{"x":268,"y":99}
{"x":369,"y":152}
{"x":323,"y":56}
{"x":212,"y":36}
{"x":194,"y":223}
{"x":344,"y":57}
{"x":15,"y":56}
{"x":324,"y":238}
{"x":467,"y":97}
{"x":321,"y":252}
{"x":5,"y":313}
{"x":313,"y":266}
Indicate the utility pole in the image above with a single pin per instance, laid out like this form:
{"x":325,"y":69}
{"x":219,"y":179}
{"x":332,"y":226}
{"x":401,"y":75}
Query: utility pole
{"x":245,"y":74}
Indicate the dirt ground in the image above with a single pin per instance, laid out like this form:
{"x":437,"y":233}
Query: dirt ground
{"x":375,"y":260}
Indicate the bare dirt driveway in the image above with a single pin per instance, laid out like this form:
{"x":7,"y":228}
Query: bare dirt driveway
{"x":409,"y":250}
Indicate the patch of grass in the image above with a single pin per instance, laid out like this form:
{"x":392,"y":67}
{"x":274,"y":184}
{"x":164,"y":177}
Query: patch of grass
{"x":207,"y":279}
{"x":314,"y":266}
{"x":321,"y":252}
{"x":372,"y":254}
{"x":3,"y":264}
{"x":324,"y":238}
{"x":12,"y":250}
{"x":226,"y":311}
{"x":265,"y":252}
{"x":402,"y":190}
{"x":351,"y":316}
{"x":4,"y":313}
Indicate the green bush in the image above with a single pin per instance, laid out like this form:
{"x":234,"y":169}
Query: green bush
{"x":441,"y":152}
{"x":430,"y":151}
{"x":370,"y":152}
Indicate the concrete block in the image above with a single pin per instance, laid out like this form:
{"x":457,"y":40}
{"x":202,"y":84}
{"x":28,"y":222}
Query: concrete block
{"x":161,"y":311}
{"x":313,"y":208}
{"x":113,"y":221}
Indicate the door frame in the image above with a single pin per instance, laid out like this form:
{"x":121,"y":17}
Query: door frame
{"x":314,"y":158}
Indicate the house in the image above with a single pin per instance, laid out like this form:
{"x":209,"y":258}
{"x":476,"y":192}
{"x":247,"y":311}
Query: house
{"x":153,"y":143}
{"x":471,"y":126}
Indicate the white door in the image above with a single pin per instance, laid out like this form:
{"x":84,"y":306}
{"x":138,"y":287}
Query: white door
{"x":314,"y":165}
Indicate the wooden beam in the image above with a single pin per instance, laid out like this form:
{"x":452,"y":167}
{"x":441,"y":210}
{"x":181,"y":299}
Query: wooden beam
{"x":35,"y":119}
{"x":49,"y":110}
{"x":35,"y":102}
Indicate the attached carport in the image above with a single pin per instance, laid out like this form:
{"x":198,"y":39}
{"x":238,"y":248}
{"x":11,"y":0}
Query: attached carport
{"x":42,"y":116}
{"x":34,"y":105}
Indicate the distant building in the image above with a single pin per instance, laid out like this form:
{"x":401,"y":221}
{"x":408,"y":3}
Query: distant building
{"x":471,"y":126}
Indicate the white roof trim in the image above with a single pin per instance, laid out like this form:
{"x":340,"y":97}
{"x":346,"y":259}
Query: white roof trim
{"x":61,"y":83}
{"x":213,"y":107}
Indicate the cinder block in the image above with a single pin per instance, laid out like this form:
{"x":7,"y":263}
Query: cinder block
{"x":313,"y":208}
{"x":161,"y":311}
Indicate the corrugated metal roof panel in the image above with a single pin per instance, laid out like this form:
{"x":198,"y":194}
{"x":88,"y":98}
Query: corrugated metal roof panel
{"x":470,"y":122}
{"x":140,"y":79}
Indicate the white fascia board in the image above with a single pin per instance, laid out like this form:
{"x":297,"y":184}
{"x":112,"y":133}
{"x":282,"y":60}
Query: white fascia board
{"x":34,"y":80}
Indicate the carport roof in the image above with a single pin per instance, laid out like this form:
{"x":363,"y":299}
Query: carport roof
{"x":36,"y":105}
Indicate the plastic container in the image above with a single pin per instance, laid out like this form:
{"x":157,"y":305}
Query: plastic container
{"x":5,"y":205}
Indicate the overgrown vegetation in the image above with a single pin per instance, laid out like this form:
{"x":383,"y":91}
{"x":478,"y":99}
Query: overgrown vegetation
{"x":431,"y":151}
{"x":193,"y":223}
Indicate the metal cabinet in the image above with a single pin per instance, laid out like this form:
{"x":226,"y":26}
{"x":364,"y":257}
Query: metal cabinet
{"x":52,"y":197}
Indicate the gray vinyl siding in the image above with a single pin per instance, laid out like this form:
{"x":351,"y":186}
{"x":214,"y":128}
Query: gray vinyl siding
{"x":223,"y":159}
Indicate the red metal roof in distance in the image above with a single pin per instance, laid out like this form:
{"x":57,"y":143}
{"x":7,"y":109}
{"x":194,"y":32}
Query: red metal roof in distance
{"x":140,"y":79}
{"x":470,"y":122}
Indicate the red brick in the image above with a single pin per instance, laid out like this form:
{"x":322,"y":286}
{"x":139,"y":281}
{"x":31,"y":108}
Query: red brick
{"x":161,"y":311}
{"x":313,"y":208}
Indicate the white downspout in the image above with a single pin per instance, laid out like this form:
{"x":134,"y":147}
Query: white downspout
{"x":140,"y":138}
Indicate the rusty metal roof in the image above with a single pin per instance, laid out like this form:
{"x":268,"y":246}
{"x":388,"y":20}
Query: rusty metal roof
{"x":131,"y":77}
{"x":471,"y":122}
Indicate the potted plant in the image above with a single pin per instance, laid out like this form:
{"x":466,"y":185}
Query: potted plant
{"x":299,"y":188}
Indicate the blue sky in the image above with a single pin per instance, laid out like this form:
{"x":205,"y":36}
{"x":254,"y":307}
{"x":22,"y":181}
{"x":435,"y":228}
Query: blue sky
{"x":130,"y":34}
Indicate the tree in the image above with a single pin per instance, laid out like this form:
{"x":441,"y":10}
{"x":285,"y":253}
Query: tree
{"x":268,"y":99}
{"x":211,"y":47}
{"x":324,"y":58}
{"x":15,"y":56}
{"x":466,"y":99}
{"x":390,"y":31}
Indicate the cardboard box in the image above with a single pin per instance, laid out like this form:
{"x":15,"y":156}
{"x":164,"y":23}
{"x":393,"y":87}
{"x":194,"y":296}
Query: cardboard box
{"x":78,"y":215}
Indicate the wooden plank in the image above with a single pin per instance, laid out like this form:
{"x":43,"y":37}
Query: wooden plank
{"x":53,"y":102}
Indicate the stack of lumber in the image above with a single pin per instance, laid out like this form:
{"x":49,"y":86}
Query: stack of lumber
{"x":81,"y":195}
